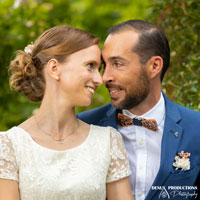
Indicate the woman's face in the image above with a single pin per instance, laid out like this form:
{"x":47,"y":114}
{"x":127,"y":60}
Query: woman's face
{"x":79,"y":76}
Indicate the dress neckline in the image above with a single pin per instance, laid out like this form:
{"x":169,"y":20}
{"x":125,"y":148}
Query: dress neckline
{"x":54,"y":150}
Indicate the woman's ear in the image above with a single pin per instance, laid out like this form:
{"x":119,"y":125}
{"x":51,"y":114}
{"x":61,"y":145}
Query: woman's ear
{"x":53,"y":69}
{"x":155,"y":66}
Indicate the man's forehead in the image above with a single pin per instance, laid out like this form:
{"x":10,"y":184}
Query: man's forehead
{"x":129,"y":36}
{"x":119,"y":43}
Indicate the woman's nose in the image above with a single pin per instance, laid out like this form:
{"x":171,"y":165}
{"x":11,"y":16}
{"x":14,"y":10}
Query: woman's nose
{"x":98,"y":79}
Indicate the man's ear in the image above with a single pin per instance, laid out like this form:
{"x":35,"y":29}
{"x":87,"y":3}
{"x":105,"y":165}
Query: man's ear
{"x":155,"y":66}
{"x":53,"y":69}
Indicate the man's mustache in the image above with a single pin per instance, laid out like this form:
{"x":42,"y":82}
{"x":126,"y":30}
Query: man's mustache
{"x":112,"y":85}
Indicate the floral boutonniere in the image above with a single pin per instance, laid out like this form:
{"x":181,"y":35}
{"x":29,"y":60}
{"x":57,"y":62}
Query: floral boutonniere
{"x":182,"y":161}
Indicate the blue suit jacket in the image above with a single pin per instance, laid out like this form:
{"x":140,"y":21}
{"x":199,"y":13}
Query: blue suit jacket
{"x":186,"y":123}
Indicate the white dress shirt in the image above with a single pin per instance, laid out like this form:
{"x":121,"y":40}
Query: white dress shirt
{"x":143,"y":147}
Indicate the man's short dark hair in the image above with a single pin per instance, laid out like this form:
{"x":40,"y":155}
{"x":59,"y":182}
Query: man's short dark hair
{"x":152,"y":41}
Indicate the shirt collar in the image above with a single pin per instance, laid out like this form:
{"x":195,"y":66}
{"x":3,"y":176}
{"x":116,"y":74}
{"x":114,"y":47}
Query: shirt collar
{"x":157,"y":112}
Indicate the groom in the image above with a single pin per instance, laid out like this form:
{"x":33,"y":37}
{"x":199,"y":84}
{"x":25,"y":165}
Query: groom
{"x":162,"y":139}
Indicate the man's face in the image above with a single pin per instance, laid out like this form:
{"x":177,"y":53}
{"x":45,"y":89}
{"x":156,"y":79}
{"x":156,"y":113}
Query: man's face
{"x":126,"y":79}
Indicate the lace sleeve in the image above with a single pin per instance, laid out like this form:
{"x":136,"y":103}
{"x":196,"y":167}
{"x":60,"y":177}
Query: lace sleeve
{"x":8,"y":164}
{"x":119,"y":165}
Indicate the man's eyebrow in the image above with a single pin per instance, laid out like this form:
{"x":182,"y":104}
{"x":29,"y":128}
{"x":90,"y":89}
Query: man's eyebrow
{"x":116,"y":58}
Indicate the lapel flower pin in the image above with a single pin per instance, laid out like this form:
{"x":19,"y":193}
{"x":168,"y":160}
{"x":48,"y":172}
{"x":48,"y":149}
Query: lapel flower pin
{"x":182,"y":161}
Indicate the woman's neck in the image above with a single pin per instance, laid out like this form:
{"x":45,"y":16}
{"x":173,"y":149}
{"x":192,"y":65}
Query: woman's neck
{"x":56,"y":117}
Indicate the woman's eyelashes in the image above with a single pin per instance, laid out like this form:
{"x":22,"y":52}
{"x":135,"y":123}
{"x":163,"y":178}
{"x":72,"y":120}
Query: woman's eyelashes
{"x":92,"y":66}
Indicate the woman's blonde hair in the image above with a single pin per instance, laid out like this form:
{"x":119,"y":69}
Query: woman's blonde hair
{"x":26,"y":70}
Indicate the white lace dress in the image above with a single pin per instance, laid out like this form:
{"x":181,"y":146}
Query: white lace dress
{"x":78,"y":173}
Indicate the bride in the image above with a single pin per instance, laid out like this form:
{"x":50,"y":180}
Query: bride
{"x":53,"y":155}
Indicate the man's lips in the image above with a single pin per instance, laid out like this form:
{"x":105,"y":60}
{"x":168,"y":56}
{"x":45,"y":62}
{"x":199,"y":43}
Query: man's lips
{"x":115,"y":92}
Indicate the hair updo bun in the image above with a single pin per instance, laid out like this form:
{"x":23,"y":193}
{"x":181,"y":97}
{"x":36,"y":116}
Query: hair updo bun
{"x":25,"y":77}
{"x":26,"y":70}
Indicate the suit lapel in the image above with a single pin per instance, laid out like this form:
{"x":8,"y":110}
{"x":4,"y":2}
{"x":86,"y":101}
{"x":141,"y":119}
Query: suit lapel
{"x":171,"y":138}
{"x":110,"y":118}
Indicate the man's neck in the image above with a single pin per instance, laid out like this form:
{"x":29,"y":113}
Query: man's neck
{"x":146,"y":105}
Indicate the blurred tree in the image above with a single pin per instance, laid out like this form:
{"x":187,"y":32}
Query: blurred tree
{"x":22,"y":21}
{"x":180,"y":21}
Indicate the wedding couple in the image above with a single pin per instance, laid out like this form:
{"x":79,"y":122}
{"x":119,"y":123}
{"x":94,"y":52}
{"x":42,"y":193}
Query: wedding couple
{"x":53,"y":155}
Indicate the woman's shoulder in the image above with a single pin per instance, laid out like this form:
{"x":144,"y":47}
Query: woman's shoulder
{"x":8,"y":132}
{"x":106,"y":130}
{"x":14,"y":129}
{"x":12,"y":135}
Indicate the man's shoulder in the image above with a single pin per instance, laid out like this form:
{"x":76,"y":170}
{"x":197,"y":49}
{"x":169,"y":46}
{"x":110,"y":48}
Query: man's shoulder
{"x":91,"y":116}
{"x":184,"y":111}
{"x":188,"y":115}
{"x":187,"y":111}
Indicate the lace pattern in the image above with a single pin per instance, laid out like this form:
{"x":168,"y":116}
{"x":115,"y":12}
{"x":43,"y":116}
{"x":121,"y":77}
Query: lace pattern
{"x":8,"y":165}
{"x":80,"y":173}
{"x":119,"y":165}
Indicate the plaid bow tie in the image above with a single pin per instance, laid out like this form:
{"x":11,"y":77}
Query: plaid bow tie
{"x":124,"y":120}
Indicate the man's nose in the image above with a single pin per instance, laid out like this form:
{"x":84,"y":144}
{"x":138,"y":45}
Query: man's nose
{"x":107,"y":75}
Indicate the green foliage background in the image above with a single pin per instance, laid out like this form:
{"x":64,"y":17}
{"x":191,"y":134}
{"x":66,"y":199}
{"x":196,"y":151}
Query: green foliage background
{"x":180,"y":19}
{"x":22,"y":25}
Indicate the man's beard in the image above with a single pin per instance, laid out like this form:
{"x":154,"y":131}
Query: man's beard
{"x":136,"y":93}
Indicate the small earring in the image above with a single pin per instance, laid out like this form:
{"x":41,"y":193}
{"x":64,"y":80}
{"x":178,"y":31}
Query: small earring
{"x":57,"y":78}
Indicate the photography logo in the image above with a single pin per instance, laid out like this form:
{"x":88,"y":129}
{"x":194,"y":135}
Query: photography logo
{"x":182,"y":192}
{"x":164,"y":194}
